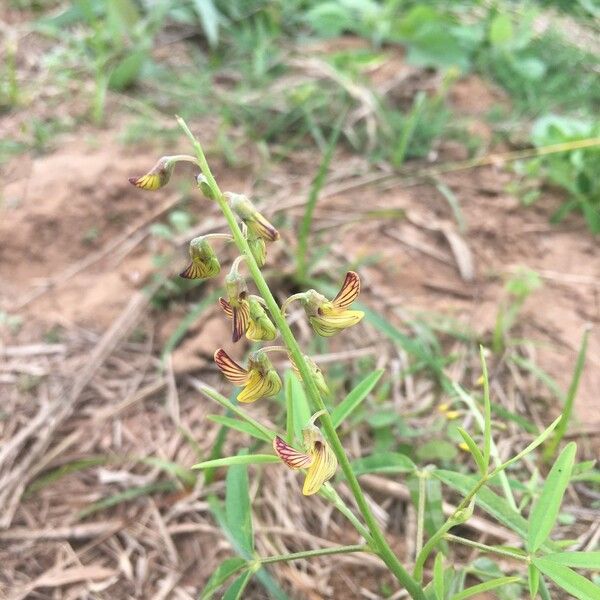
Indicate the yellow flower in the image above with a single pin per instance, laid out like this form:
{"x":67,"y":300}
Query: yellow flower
{"x":260,"y":327}
{"x":158,"y":176}
{"x":316,"y":372}
{"x":257,"y":225}
{"x":204,"y":263}
{"x":236,"y":305}
{"x":259,"y":380}
{"x":328,"y":317}
{"x":318,"y":459}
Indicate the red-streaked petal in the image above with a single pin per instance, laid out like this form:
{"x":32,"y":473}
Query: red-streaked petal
{"x":234,"y":372}
{"x":241,"y":319}
{"x":227,"y":309}
{"x":349,"y":292}
{"x":290,"y":456}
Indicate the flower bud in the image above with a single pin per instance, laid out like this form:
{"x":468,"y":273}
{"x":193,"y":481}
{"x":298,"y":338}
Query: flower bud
{"x":205,"y":187}
{"x":257,"y":225}
{"x":157,"y":177}
{"x":204,"y":261}
{"x":317,"y":374}
{"x":236,"y":305}
{"x":260,"y":327}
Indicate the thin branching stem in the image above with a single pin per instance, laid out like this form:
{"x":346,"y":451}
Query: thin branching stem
{"x":312,"y":553}
{"x":377,"y":540}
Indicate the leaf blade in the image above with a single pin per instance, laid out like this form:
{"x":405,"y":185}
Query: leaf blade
{"x":355,"y":397}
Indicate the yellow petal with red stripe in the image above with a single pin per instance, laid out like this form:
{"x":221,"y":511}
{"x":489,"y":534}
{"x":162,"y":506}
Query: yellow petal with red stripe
{"x":259,"y":386}
{"x":290,"y":456}
{"x":330,"y":324}
{"x":234,"y":372}
{"x":321,"y":469}
{"x":349,"y":292}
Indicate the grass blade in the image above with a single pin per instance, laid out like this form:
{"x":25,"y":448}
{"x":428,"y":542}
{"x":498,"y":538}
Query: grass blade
{"x":296,"y":398}
{"x":355,"y":397}
{"x":224,"y":571}
{"x":313,"y":196}
{"x":545,"y":510}
{"x":533,"y":579}
{"x":240,"y":426}
{"x":236,"y":589}
{"x":438,"y":576}
{"x":474,"y":450}
{"x":577,"y":585}
{"x":486,"y":586}
{"x":570,"y":399}
{"x":238,"y":510}
{"x":235,"y":461}
{"x":487,"y":412}
{"x":390,"y":462}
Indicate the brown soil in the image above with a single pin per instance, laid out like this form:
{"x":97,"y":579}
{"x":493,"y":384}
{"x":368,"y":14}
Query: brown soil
{"x":58,"y":210}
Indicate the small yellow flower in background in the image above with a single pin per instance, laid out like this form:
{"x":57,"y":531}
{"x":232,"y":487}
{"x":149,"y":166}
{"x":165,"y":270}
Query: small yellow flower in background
{"x":257,"y":225}
{"x":260,"y":327}
{"x":318,"y":377}
{"x":318,"y":459}
{"x":444,"y":409}
{"x":463,"y":446}
{"x":328,"y":317}
{"x":204,"y":261}
{"x":236,"y":305}
{"x":259,"y":380}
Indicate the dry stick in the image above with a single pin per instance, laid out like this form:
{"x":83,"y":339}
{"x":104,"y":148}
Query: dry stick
{"x":13,"y":483}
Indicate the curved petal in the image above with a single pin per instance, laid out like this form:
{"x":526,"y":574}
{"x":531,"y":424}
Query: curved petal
{"x":241,"y":318}
{"x":321,"y":469}
{"x":226,"y":306}
{"x":234,"y":372}
{"x":349,"y":292}
{"x":259,"y":386}
{"x":290,"y":456}
{"x":328,"y":325}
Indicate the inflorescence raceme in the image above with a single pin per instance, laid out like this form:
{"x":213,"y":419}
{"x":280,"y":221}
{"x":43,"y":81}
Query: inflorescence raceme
{"x":259,"y":379}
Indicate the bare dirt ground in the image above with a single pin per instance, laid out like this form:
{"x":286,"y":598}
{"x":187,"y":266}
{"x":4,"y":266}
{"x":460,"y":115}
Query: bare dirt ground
{"x":80,"y":379}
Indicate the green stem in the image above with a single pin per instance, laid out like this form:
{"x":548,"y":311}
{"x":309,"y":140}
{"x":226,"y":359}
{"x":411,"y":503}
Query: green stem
{"x":312,"y":553}
{"x":420,"y":513}
{"x":484,"y":547}
{"x":378,"y":541}
{"x":451,"y":521}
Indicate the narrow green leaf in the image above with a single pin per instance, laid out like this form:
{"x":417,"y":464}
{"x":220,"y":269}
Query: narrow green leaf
{"x":313,"y":197}
{"x":569,"y":400}
{"x":127,"y":495}
{"x":209,"y":19}
{"x":240,"y":426}
{"x":294,"y":394}
{"x":238,"y":510}
{"x":487,"y":413}
{"x":236,"y":589}
{"x":355,"y":397}
{"x":545,"y":510}
{"x":224,"y":571}
{"x":581,"y":560}
{"x":389,"y":462}
{"x":577,"y":585}
{"x":241,"y":459}
{"x":172,"y":468}
{"x":474,"y":450}
{"x":533,"y":578}
{"x":531,"y":447}
{"x":490,"y":502}
{"x":438,"y":576}
{"x":486,"y":586}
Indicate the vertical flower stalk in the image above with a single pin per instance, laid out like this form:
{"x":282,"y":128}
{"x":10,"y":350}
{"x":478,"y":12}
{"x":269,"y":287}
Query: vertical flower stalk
{"x":377,"y":540}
